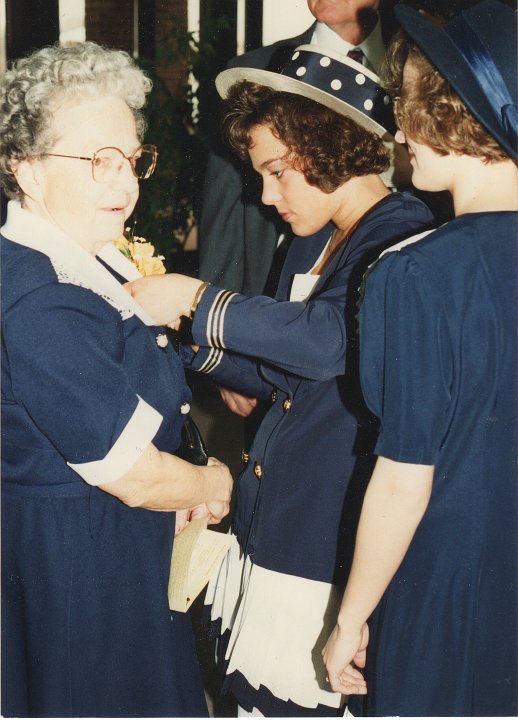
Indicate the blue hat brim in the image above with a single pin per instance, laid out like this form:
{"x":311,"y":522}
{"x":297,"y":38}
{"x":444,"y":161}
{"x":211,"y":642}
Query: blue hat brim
{"x":494,"y":21}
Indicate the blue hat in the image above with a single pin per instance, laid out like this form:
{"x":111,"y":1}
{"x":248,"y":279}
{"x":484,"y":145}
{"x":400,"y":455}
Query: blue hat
{"x":329,"y":78}
{"x":477,"y":53}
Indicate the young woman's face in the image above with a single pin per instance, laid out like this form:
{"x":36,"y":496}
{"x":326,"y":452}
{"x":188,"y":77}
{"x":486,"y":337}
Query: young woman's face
{"x":305,"y":207}
{"x":430,"y":171}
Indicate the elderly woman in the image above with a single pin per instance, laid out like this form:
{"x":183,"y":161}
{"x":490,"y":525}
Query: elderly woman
{"x":436,"y":550}
{"x":93,"y":404}
{"x":314,"y":135}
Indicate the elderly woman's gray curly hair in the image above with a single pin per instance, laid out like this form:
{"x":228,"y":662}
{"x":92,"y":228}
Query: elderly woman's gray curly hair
{"x":37,"y":85}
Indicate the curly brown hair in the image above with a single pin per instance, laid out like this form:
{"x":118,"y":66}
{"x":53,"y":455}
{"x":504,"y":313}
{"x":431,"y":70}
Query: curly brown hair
{"x":429,"y":110}
{"x":326,"y":147}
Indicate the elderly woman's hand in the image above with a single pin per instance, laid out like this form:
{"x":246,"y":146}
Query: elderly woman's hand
{"x":166,"y":298}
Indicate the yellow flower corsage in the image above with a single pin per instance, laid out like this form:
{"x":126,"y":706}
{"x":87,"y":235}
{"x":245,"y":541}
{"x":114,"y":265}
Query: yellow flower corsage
{"x":142,"y":254}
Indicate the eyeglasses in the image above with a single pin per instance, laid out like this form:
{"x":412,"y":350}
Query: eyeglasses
{"x":107,"y":162}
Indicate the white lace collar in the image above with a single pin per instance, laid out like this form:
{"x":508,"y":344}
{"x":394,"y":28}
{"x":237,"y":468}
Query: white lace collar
{"x":72,"y":263}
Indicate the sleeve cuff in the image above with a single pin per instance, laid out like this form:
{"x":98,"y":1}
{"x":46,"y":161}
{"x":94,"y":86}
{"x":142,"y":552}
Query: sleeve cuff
{"x":208,"y":326}
{"x":131,"y":443}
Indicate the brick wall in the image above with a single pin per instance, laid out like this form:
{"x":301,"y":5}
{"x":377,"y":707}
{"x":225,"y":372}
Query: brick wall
{"x":110,"y":23}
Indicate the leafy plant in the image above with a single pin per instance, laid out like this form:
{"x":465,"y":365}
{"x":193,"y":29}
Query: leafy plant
{"x":181,"y":125}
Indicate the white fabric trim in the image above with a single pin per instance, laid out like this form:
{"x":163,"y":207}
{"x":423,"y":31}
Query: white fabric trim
{"x":127,"y":449}
{"x":113,"y":257}
{"x":213,"y":360}
{"x":216,"y":318}
{"x":279,"y":625}
{"x":72,"y":262}
{"x":403,"y":243}
{"x":372,"y":47}
{"x":303,"y":284}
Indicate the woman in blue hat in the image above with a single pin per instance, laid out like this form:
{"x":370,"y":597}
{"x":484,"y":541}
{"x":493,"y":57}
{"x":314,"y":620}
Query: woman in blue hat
{"x":314,"y":135}
{"x":436,"y":550}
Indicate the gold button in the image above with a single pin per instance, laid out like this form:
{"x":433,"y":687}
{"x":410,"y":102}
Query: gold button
{"x":245,"y":457}
{"x":287,"y":404}
{"x":258,"y":471}
{"x":274,"y":396}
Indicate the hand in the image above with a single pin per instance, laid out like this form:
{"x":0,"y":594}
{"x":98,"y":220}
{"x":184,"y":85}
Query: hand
{"x":182,"y":519}
{"x":238,"y":403}
{"x":165,"y":297}
{"x":342,"y":651}
{"x":220,"y":506}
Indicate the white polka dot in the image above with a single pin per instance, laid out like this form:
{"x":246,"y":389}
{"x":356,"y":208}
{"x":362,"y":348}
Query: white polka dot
{"x":386,"y":99}
{"x":301,"y":71}
{"x":360,"y":78}
{"x":295,"y":55}
{"x":336,"y":84}
{"x":368,"y":104}
{"x":325,"y":61}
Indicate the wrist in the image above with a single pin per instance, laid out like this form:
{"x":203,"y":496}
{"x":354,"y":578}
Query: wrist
{"x":196,"y":298}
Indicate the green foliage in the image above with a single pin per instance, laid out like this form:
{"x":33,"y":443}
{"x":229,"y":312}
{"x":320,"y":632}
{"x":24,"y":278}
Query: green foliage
{"x":180,"y":125}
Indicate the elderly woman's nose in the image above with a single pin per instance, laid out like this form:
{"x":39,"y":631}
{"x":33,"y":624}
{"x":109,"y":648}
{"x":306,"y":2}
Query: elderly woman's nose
{"x":125,"y":178}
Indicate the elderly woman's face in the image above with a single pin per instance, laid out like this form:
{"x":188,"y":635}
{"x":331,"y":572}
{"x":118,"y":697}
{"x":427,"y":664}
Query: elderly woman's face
{"x":89,"y":212}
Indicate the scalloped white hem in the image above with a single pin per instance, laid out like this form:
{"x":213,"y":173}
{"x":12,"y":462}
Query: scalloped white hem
{"x":279,"y":625}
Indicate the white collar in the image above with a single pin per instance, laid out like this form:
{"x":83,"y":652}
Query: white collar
{"x":372,"y":47}
{"x":72,"y":262}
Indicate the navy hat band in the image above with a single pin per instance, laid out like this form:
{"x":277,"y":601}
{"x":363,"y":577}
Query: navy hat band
{"x":344,"y":82}
{"x":486,"y":74}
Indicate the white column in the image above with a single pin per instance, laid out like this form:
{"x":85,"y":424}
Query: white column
{"x":72,"y":20}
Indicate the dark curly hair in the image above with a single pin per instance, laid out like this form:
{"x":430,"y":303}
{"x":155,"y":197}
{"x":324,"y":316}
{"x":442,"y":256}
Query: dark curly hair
{"x":326,"y":147}
{"x":429,"y":110}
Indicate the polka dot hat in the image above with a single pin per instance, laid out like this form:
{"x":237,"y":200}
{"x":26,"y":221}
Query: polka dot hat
{"x":334,"y":80}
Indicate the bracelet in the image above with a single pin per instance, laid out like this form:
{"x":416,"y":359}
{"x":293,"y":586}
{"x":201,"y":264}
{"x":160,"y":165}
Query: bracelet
{"x":197,"y":298}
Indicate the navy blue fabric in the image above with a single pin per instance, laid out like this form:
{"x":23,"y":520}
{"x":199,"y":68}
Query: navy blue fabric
{"x":340,"y":81}
{"x":86,"y":628}
{"x":438,"y":367}
{"x":487,"y":74}
{"x":319,"y":452}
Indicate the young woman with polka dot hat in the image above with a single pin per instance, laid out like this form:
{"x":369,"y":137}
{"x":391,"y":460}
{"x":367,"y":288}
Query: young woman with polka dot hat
{"x":315,"y":135}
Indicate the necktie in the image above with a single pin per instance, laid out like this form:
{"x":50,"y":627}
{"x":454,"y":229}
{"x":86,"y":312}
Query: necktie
{"x":357,"y":55}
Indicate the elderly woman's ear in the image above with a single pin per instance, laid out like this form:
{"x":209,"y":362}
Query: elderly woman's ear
{"x":30,"y":177}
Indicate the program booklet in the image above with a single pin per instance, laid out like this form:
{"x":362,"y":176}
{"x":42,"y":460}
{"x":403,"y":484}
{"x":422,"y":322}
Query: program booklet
{"x":197,"y":554}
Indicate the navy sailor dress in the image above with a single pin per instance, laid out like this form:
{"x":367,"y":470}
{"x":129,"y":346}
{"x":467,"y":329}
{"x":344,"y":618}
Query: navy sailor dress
{"x":299,"y":494}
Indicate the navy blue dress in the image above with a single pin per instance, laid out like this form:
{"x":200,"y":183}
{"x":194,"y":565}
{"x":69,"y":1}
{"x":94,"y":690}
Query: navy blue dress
{"x":300,"y":492}
{"x":86,"y":627}
{"x":439,"y":368}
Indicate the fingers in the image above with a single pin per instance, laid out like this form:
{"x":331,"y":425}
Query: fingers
{"x":240,"y":404}
{"x":217,"y":510}
{"x":182,"y":518}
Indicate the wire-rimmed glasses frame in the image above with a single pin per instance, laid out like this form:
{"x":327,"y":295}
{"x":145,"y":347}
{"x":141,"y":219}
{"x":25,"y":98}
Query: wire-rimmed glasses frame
{"x":107,"y":162}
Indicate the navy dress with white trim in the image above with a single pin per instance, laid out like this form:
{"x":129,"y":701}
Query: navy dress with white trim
{"x":86,"y":627}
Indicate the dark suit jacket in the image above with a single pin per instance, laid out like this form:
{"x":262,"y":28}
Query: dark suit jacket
{"x":238,"y":235}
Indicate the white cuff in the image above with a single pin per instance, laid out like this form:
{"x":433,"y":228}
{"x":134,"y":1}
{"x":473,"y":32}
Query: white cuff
{"x":131,"y":443}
